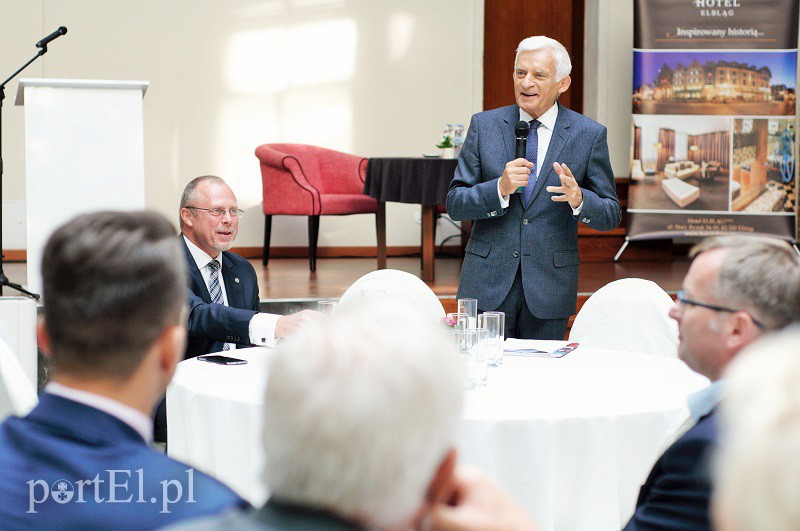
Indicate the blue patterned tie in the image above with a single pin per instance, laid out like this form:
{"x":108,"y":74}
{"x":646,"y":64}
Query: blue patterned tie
{"x":531,"y":152}
{"x":215,"y":289}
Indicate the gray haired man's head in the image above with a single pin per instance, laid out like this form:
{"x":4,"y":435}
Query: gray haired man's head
{"x":361,"y":414}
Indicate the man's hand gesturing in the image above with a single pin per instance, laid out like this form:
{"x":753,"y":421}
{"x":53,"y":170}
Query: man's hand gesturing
{"x":569,"y":187}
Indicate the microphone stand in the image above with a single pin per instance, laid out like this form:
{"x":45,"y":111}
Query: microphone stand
{"x":3,"y":278}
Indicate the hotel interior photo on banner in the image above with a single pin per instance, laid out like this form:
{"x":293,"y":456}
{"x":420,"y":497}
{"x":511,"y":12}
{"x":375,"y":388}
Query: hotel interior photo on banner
{"x":490,"y":265}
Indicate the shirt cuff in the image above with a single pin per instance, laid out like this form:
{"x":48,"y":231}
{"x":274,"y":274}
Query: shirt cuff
{"x":504,"y":199}
{"x":577,"y":210}
{"x":262,"y":329}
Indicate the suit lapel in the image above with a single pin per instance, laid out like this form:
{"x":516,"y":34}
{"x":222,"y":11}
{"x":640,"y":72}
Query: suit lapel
{"x":561,"y":133}
{"x":658,"y":468}
{"x":233,"y":288}
{"x":194,"y":272}
{"x":509,"y":137}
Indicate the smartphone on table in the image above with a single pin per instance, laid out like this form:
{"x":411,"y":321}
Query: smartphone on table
{"x":221,"y":360}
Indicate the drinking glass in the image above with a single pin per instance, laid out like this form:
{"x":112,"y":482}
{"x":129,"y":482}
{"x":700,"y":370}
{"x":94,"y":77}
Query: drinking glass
{"x":460,"y":319}
{"x":467,"y":344}
{"x":469,"y":307}
{"x":480,"y":365}
{"x":326,"y":307}
{"x":494,"y":323}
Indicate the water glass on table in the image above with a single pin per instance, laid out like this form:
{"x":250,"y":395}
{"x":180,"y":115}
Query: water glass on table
{"x":481,"y":362}
{"x":494,"y":323}
{"x":326,"y":307}
{"x":457,"y":321}
{"x":471,"y":354}
{"x":469,"y":307}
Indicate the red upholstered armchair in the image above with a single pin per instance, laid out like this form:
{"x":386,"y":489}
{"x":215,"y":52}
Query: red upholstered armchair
{"x":302,"y":180}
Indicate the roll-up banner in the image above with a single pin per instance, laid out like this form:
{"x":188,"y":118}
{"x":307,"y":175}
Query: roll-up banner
{"x":714,"y":118}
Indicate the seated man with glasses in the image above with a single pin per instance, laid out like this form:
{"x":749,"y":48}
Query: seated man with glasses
{"x":737,"y":288}
{"x":223,"y":290}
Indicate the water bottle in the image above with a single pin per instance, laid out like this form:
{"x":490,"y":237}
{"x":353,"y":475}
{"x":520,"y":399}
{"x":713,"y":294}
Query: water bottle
{"x":458,"y":138}
{"x":448,"y":132}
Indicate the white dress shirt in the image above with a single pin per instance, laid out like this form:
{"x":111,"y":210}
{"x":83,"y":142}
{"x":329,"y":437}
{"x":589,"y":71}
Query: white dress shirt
{"x":699,"y":405}
{"x":703,"y":401}
{"x":262,"y":325}
{"x":134,"y":418}
{"x":545,"y":134}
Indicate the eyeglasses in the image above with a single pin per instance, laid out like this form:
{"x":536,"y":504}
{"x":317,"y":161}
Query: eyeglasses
{"x":689,"y":302}
{"x":217,"y":212}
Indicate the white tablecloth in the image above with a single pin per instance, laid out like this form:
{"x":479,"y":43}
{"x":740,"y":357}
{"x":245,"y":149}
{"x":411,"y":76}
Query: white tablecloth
{"x":572,"y":439}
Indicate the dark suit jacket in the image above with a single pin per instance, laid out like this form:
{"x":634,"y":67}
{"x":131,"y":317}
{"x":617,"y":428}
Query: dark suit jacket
{"x":211,"y":325}
{"x":542,"y":239}
{"x":44,"y":455}
{"x":677,"y":492}
{"x":272,"y":516}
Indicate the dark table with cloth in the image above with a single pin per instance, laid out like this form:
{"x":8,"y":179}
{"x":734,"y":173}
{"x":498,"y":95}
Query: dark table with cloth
{"x":419,"y":181}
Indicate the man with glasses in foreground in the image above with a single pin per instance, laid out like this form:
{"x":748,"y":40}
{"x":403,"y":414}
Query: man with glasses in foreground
{"x":223,"y":290}
{"x":737,"y":289}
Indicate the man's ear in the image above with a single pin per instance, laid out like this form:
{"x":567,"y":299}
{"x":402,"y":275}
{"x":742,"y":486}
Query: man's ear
{"x":742,"y":332}
{"x":186,"y":216}
{"x":564,"y":85}
{"x":172,"y":345}
{"x":441,"y":487}
{"x":42,"y":337}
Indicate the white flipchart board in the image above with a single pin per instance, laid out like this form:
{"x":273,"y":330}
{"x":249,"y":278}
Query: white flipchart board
{"x":84,"y":151}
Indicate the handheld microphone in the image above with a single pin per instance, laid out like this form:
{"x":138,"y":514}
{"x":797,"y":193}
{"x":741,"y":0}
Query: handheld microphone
{"x":521,"y":132}
{"x":56,"y":34}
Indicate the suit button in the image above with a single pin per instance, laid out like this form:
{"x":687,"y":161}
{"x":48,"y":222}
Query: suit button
{"x":516,"y":254}
{"x":586,"y":220}
{"x":525,"y":221}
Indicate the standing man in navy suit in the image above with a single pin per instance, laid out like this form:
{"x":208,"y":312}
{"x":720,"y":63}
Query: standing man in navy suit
{"x":223,"y":291}
{"x":522,"y":257}
{"x":114,"y":329}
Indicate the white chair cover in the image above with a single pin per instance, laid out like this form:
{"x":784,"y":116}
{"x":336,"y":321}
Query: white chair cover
{"x":630,"y":314}
{"x":397,"y":285}
{"x":17,"y":395}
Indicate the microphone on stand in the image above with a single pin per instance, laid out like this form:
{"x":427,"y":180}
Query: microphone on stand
{"x":521,"y":132}
{"x":56,"y":34}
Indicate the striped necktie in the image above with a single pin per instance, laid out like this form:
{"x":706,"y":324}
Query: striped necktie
{"x":215,"y":289}
{"x":531,"y":153}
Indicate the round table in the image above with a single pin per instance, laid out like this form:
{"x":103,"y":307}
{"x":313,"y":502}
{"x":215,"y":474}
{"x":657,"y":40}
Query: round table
{"x":572,"y":439}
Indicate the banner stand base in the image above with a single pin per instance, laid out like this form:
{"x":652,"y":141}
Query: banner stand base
{"x":625,"y":246}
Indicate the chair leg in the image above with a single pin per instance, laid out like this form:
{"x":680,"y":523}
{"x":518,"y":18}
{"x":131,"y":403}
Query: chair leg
{"x":380,"y":229}
{"x":313,"y":234}
{"x":267,"y":234}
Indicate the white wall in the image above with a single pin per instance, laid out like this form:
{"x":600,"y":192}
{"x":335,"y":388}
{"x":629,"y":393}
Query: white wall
{"x":376,"y":78}
{"x":608,"y":68}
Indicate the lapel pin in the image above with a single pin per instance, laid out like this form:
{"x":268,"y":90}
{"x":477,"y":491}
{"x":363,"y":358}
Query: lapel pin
{"x":236,"y":280}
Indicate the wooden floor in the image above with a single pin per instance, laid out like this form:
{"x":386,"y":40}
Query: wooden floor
{"x":290,"y":279}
